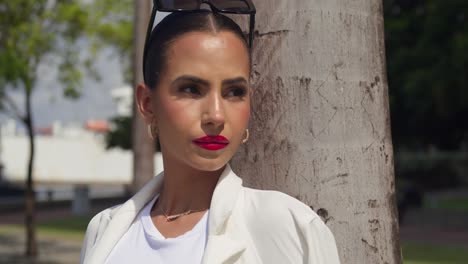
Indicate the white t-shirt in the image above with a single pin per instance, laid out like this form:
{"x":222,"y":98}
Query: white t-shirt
{"x":143,"y":243}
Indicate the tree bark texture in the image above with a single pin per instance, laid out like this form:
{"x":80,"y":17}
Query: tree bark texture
{"x":143,"y":146}
{"x":320,"y":128}
{"x":30,"y":215}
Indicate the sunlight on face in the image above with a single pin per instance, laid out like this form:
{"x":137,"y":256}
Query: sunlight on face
{"x":203,"y":91}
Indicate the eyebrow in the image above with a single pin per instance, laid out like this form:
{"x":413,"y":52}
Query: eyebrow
{"x":191,"y":79}
{"x":235,"y":81}
{"x":207,"y":83}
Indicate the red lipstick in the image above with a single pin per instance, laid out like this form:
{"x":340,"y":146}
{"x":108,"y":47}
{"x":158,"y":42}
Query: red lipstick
{"x":214,"y":142}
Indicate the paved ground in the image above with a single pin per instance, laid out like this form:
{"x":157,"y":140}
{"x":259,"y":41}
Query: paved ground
{"x":42,"y":216}
{"x":434,"y":236}
{"x":51,"y":251}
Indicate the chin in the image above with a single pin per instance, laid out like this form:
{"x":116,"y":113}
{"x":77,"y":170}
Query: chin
{"x":200,"y":160}
{"x":210,"y":161}
{"x":204,"y":164}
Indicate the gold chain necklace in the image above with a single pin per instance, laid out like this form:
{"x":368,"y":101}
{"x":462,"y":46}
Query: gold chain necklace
{"x":173,"y":217}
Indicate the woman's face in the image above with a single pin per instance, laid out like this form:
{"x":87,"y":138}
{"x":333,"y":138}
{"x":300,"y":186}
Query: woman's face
{"x":201,"y":106}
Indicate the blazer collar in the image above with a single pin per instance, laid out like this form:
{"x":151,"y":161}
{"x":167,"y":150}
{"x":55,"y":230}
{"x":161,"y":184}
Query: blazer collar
{"x":220,"y":247}
{"x":120,"y":219}
{"x":223,"y":201}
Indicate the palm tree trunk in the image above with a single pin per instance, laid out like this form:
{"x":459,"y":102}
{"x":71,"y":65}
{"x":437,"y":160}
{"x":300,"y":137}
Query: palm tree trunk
{"x":320,"y":127}
{"x":143,"y":147}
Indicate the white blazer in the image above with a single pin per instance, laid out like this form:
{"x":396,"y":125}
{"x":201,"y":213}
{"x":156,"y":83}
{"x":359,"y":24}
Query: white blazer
{"x":245,"y":226}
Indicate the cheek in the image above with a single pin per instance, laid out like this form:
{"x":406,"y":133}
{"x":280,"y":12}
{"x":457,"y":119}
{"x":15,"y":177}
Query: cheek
{"x":241,"y":116}
{"x":176,"y":115}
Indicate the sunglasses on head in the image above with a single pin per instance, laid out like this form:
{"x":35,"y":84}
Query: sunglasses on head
{"x":218,"y":6}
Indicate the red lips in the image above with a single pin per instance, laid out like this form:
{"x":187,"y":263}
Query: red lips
{"x":214,"y":142}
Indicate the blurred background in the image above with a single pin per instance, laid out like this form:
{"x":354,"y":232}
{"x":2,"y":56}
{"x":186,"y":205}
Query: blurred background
{"x":427,"y":67}
{"x":65,"y":84}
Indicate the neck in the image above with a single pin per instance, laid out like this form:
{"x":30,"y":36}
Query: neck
{"x":185,"y":188}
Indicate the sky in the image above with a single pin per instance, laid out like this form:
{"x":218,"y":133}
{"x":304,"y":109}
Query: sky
{"x":48,"y":102}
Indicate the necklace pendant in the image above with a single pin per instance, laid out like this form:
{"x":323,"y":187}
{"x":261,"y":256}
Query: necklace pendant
{"x":170,"y":218}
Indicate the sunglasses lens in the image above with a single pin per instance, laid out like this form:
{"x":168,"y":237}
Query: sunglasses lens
{"x":231,"y":5}
{"x":179,"y":4}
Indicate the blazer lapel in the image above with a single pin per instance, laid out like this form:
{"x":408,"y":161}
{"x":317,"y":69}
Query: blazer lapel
{"x":222,"y":245}
{"x":121,"y":219}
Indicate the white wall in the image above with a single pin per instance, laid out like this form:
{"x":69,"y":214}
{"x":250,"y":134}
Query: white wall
{"x":82,"y":159}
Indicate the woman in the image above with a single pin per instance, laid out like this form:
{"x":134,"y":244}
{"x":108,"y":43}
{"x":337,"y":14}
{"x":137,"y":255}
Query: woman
{"x":196,"y":100}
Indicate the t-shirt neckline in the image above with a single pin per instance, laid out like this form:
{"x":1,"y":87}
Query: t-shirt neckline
{"x":151,"y":230}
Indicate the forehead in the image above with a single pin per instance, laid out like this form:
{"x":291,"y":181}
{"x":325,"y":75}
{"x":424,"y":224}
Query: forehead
{"x":203,"y":53}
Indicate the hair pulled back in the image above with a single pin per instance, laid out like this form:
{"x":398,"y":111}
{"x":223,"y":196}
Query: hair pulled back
{"x":175,"y":25}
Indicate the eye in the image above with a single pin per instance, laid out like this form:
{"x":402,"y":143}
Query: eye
{"x":237,"y":92}
{"x":190,"y":89}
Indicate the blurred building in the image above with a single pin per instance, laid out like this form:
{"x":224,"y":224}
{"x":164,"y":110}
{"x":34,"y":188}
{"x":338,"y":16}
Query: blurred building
{"x":123,"y":97}
{"x":66,"y":153}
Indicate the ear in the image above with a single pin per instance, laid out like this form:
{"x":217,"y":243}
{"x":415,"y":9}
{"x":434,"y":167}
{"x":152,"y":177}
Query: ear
{"x":144,"y":100}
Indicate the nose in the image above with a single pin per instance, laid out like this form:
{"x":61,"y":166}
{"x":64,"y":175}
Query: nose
{"x":213,"y":114}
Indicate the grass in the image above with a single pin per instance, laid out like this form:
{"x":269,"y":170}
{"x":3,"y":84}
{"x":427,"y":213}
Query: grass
{"x":419,"y":253}
{"x":454,"y":204}
{"x":70,"y":228}
{"x":73,"y":227}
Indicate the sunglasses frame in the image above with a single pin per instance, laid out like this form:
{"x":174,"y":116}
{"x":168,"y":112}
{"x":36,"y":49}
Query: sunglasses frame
{"x":158,"y":7}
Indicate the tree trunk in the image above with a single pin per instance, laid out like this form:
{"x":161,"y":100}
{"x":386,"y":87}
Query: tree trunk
{"x":320,"y":128}
{"x":143,"y":147}
{"x":31,"y":241}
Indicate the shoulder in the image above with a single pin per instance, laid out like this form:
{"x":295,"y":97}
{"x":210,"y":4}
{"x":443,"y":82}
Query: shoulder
{"x":101,"y":218}
{"x":96,"y":227}
{"x":283,"y":224}
{"x":277,"y":204}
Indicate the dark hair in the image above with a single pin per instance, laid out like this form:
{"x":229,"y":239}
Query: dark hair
{"x":174,"y":26}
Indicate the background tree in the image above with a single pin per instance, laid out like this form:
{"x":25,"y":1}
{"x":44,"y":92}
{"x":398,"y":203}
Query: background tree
{"x":113,"y":27}
{"x":120,"y":134}
{"x":122,"y":25}
{"x":320,"y":127}
{"x":428,"y":72}
{"x":110,"y":25}
{"x":33,"y":32}
{"x":143,"y":146}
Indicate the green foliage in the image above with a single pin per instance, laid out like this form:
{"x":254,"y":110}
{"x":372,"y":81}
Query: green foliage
{"x":111,"y":24}
{"x":419,"y":253}
{"x":426,"y":44}
{"x":120,"y":135}
{"x":32,"y":30}
{"x":434,"y":171}
{"x":454,"y":204}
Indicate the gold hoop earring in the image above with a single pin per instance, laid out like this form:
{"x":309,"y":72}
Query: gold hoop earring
{"x":247,"y":135}
{"x":152,"y":131}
